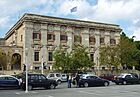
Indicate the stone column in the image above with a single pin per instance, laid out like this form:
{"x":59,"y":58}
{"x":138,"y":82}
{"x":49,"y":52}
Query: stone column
{"x":97,"y":45}
{"x":85,"y":37}
{"x":70,"y":38}
{"x":117,"y":37}
{"x":43,"y":42}
{"x":107,"y":37}
{"x":27,"y":41}
{"x":57,"y":35}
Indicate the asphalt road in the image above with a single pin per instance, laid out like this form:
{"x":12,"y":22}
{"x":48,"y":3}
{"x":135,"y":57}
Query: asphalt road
{"x":62,"y":91}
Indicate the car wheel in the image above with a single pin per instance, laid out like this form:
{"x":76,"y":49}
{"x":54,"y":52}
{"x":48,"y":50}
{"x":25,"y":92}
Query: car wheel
{"x":52,"y":86}
{"x":124,"y":83}
{"x":117,"y":83}
{"x":86,"y":84}
{"x":106,"y":84}
{"x":59,"y":82}
{"x":30,"y":87}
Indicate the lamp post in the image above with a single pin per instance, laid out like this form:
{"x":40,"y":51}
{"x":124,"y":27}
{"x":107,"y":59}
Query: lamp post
{"x":42,"y":59}
{"x":98,"y":67}
{"x":42,"y":66}
{"x":26,"y":53}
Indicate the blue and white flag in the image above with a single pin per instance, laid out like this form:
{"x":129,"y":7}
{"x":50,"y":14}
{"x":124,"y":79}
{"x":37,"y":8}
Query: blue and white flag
{"x":74,"y":9}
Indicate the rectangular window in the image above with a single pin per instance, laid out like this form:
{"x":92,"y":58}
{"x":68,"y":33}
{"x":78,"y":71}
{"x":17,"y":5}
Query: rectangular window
{"x":36,"y":56}
{"x":92,"y":57}
{"x":21,"y":38}
{"x":92,"y":40}
{"x":77,"y":38}
{"x":63,"y":37}
{"x":112,"y":41}
{"x":50,"y":58}
{"x":102,"y":40}
{"x":51,"y":37}
{"x":36,"y":36}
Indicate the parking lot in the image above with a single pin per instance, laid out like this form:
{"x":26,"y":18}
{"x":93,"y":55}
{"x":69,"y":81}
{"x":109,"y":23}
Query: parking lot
{"x":62,"y":91}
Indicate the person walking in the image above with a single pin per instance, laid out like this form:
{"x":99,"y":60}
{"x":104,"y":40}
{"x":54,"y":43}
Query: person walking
{"x":69,"y":80}
{"x":77,"y":80}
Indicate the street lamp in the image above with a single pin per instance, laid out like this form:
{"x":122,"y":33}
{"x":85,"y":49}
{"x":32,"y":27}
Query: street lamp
{"x":26,"y":53}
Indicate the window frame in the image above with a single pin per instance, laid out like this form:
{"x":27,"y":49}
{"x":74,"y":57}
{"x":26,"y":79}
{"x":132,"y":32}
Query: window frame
{"x":36,"y":56}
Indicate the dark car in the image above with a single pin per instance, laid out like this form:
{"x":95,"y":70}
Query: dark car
{"x":109,"y":77}
{"x":9,"y":81}
{"x":126,"y":79}
{"x":38,"y":80}
{"x":92,"y":80}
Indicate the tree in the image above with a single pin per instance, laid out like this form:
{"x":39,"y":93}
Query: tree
{"x":62,"y":60}
{"x":129,"y":52}
{"x":110,"y":56}
{"x":77,"y":59}
{"x":80,"y":58}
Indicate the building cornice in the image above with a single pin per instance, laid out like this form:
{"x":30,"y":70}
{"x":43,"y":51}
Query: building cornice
{"x":63,"y":21}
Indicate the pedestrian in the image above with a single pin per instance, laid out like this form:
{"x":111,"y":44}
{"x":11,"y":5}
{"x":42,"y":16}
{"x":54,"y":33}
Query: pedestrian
{"x":69,"y":80}
{"x":77,"y":79}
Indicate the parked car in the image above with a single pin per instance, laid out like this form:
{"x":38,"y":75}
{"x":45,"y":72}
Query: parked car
{"x":126,"y":79}
{"x":92,"y":80}
{"x":38,"y":80}
{"x":63,"y":77}
{"x":55,"y":76}
{"x":109,"y":77}
{"x":58,"y":77}
{"x":9,"y":81}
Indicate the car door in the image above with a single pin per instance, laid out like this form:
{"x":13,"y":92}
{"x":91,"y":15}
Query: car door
{"x":130,"y":79}
{"x":93,"y":80}
{"x":135,"y":79}
{"x":12,"y":82}
{"x":42,"y":80}
{"x":2,"y":82}
{"x":90,"y":80}
{"x":97,"y":81}
{"x":34,"y":80}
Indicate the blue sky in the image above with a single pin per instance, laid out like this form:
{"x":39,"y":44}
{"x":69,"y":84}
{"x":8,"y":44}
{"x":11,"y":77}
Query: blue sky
{"x":122,"y":12}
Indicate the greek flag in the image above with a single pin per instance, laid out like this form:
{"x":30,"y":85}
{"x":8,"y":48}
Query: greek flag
{"x":74,"y":9}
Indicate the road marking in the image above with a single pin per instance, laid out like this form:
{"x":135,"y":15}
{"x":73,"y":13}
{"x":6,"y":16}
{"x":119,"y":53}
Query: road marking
{"x":50,"y":96}
{"x":33,"y":92}
{"x":86,"y":92}
{"x":17,"y":93}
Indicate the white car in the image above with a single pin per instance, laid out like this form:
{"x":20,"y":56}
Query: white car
{"x":55,"y":76}
{"x":64,"y":77}
{"x":58,"y":77}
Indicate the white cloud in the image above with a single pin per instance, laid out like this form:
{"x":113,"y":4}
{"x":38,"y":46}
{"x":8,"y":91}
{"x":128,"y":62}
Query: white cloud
{"x":136,"y":29}
{"x":112,"y":11}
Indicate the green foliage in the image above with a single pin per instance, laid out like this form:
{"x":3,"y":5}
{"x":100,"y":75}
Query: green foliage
{"x":62,"y":60}
{"x":77,"y":59}
{"x":80,"y":58}
{"x":129,"y":52}
{"x":110,"y":56}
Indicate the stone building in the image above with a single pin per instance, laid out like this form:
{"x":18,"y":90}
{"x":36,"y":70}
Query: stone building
{"x":38,"y":36}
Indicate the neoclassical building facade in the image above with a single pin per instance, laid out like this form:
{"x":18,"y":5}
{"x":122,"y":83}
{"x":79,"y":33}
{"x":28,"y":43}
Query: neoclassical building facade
{"x":39,"y":36}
